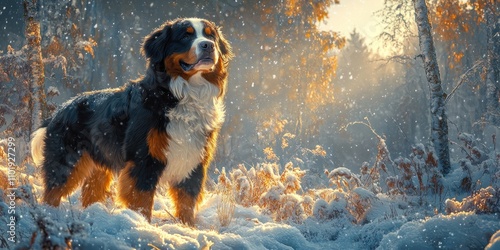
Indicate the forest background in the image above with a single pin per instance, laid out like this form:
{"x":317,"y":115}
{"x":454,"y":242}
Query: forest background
{"x":294,"y":84}
{"x":330,"y":138}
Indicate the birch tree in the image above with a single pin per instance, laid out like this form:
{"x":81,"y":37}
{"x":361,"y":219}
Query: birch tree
{"x":35,"y":61}
{"x":439,"y":122}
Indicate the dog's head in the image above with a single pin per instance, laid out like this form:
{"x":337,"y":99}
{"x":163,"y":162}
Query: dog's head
{"x":188,"y":46}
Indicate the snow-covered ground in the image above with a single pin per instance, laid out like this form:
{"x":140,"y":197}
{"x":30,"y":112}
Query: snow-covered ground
{"x":103,"y":226}
{"x":268,"y":206}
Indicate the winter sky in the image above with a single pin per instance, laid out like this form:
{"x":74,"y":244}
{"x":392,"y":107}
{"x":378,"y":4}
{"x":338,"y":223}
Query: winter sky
{"x":355,"y":14}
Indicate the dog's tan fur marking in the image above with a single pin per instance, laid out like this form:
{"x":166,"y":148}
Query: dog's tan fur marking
{"x":97,"y":186}
{"x":185,"y":205}
{"x":158,"y":144}
{"x":82,"y":169}
{"x":131,"y":197}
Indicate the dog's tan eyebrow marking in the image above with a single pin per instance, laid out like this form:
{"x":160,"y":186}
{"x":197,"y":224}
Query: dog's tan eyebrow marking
{"x":190,"y":30}
{"x":208,"y":31}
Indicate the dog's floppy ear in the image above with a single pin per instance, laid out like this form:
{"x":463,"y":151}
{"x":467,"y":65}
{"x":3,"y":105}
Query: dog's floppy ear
{"x":155,"y":44}
{"x":224,"y":46}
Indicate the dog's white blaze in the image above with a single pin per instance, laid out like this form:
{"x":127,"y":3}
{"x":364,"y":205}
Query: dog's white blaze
{"x":198,"y":112}
{"x":38,"y":146}
{"x":198,"y":27}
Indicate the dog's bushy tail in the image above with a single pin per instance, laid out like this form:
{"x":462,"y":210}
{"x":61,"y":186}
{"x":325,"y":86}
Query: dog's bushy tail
{"x":38,"y":144}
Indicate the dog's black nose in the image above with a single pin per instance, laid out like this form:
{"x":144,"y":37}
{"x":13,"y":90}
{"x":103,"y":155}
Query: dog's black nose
{"x":206,"y":46}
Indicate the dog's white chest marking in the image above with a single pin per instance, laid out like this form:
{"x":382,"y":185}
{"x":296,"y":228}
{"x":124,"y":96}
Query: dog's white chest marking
{"x":199,"y":112}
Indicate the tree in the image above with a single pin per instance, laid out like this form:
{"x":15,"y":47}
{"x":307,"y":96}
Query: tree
{"x":282,"y":72}
{"x":37,"y":102}
{"x":439,"y":120}
{"x":23,"y":94}
{"x":469,"y":34}
{"x":356,"y":74}
{"x":493,"y":63}
{"x":297,"y":64}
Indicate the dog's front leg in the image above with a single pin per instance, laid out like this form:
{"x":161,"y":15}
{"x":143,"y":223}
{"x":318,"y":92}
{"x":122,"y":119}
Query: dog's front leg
{"x":187,"y":194}
{"x":137,"y":184}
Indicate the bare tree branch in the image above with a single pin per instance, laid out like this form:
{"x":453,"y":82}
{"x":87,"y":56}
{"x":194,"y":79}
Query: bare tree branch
{"x":462,"y":79}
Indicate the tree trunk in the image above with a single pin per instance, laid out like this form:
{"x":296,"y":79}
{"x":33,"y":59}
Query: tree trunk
{"x":492,"y":67}
{"x":38,"y":103}
{"x":439,"y":121}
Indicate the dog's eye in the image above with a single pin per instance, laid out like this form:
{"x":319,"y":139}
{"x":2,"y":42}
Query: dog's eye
{"x":188,"y":33}
{"x":209,"y":33}
{"x":211,"y":37}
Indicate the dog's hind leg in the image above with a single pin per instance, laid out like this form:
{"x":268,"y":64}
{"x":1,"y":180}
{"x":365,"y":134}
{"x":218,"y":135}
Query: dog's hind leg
{"x":62,"y":179}
{"x":97,"y":186}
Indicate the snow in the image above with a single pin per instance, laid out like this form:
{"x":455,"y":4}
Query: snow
{"x":363,"y":193}
{"x":494,"y":242}
{"x":405,"y":204}
{"x":104,"y":227}
{"x":385,"y":222}
{"x":457,"y":231}
{"x":348,"y":216}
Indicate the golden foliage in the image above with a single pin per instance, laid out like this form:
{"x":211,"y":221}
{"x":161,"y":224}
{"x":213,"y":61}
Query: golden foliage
{"x":291,"y":178}
{"x":275,"y":125}
{"x":485,"y":200}
{"x":270,"y":155}
{"x":276,"y":194}
{"x":54,"y":48}
{"x":75,"y":31}
{"x":453,"y":18}
{"x":89,"y":45}
{"x":226,"y":207}
{"x":319,"y":151}
{"x":319,"y":9}
{"x":285,"y":139}
{"x":291,"y":38}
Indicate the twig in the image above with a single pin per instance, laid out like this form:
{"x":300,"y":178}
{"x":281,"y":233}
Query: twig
{"x":173,"y":217}
{"x":461,"y":147}
{"x":462,"y":79}
{"x":153,"y":246}
{"x":367,"y":124}
{"x":402,"y":59}
{"x":421,"y":56}
{"x":7,"y":108}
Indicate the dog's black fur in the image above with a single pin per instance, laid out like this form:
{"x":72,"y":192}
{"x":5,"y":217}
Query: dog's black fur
{"x":116,"y":128}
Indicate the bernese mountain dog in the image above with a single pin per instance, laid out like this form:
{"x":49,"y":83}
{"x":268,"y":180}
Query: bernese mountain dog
{"x":161,"y":128}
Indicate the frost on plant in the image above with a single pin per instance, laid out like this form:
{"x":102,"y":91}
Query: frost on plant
{"x":274,"y":192}
{"x":485,"y":200}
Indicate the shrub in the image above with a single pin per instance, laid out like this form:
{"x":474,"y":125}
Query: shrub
{"x":485,"y":200}
{"x":275,"y":193}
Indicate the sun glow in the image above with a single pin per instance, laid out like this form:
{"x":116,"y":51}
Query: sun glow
{"x":357,"y":15}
